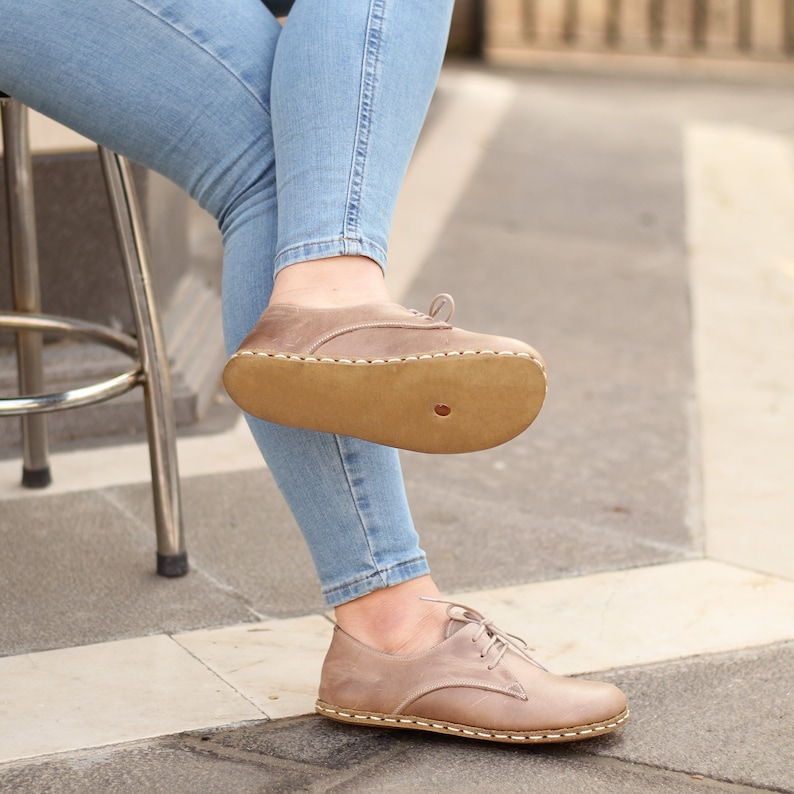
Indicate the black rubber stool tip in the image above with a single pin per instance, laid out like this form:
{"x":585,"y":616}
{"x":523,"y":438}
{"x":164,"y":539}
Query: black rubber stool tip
{"x":172,"y":564}
{"x":36,"y":478}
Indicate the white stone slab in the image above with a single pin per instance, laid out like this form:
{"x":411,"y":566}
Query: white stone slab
{"x":275,"y":664}
{"x":644,"y":615}
{"x":740,"y":227}
{"x":88,"y":469}
{"x":94,"y":695}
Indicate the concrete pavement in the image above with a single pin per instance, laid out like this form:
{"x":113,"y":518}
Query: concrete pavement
{"x":638,"y":232}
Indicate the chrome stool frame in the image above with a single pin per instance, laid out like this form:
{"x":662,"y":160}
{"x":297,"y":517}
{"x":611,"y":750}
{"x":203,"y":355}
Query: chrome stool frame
{"x":146,"y":348}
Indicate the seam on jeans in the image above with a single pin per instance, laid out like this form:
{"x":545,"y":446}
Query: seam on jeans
{"x":344,"y":244}
{"x":369,"y":67}
{"x":359,"y":513}
{"x":379,"y":574}
{"x":215,"y":57}
{"x":358,"y":240}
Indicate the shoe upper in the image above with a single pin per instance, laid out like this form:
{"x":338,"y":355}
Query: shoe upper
{"x":477,"y":676}
{"x":369,"y":332}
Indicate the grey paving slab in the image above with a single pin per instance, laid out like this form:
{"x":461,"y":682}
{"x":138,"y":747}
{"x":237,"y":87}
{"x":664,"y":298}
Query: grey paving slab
{"x":571,"y":235}
{"x":75,"y":570}
{"x":79,"y":568}
{"x":243,"y":538}
{"x":439,"y":766}
{"x":149,"y":768}
{"x":727,"y":716}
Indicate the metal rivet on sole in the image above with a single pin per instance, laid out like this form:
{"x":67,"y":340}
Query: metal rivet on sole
{"x":442,"y":410}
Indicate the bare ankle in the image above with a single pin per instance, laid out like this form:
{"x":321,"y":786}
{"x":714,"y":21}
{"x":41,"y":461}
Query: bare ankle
{"x":335,"y":281}
{"x":396,"y":620}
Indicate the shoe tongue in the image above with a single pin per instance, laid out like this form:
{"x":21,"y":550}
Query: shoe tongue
{"x":461,"y":616}
{"x":453,"y":627}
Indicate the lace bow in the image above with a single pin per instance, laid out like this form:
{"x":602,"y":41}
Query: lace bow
{"x":498,"y":640}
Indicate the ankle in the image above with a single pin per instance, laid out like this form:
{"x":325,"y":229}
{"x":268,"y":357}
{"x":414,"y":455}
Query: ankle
{"x":426,"y":633}
{"x":331,"y":282}
{"x":396,"y":620}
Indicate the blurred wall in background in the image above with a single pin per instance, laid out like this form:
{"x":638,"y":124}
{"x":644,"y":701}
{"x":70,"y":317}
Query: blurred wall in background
{"x":692,"y":35}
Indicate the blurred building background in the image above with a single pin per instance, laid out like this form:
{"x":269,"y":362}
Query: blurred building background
{"x":751,"y":36}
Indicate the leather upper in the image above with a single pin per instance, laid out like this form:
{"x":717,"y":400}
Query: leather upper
{"x":452,"y":682}
{"x":367,"y":332}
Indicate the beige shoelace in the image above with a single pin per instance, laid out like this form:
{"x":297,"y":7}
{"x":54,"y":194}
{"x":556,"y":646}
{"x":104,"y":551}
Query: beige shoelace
{"x":437,"y":305}
{"x":498,"y":640}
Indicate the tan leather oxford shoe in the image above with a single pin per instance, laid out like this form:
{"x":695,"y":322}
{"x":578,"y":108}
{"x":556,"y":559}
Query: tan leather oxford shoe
{"x":387,"y":374}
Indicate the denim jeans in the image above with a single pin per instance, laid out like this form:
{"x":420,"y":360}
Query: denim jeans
{"x":296,"y":140}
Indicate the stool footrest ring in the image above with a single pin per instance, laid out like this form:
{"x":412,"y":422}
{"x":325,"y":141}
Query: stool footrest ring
{"x":83,"y":395}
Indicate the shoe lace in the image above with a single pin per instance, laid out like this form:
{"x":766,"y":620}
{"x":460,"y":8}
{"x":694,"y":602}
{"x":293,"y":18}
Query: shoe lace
{"x":498,"y":640}
{"x":437,"y":305}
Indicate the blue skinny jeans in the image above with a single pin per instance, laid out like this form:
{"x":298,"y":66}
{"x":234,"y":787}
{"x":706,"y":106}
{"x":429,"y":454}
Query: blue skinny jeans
{"x":296,"y":140}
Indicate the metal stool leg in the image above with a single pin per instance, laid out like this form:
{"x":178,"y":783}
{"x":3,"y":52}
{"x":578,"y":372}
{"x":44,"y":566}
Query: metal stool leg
{"x":160,"y":422}
{"x":25,"y":285}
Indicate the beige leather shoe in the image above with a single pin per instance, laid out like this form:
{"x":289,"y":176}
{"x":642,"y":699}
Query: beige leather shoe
{"x":387,"y":374}
{"x":479,"y":682}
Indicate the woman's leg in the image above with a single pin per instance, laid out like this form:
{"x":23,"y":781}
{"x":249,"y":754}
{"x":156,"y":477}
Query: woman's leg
{"x":351,"y":87}
{"x":185,"y":88}
{"x":182,"y":87}
{"x":443,"y":670}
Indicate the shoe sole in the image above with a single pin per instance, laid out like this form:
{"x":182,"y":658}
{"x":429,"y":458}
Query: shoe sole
{"x":439,"y":403}
{"x":374,"y":719}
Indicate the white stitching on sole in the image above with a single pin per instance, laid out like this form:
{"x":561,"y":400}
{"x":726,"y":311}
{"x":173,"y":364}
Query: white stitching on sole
{"x":396,"y":360}
{"x":485,"y":734}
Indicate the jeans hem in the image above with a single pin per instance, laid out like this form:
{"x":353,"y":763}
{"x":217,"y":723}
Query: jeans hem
{"x":378,"y":580}
{"x":321,"y":249}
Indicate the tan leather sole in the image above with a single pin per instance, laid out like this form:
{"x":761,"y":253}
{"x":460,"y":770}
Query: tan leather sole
{"x":572,"y":734}
{"x":442,"y":403}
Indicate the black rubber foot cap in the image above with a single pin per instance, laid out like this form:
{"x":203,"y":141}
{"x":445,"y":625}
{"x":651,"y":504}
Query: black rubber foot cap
{"x":36,"y":478}
{"x":172,"y":564}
